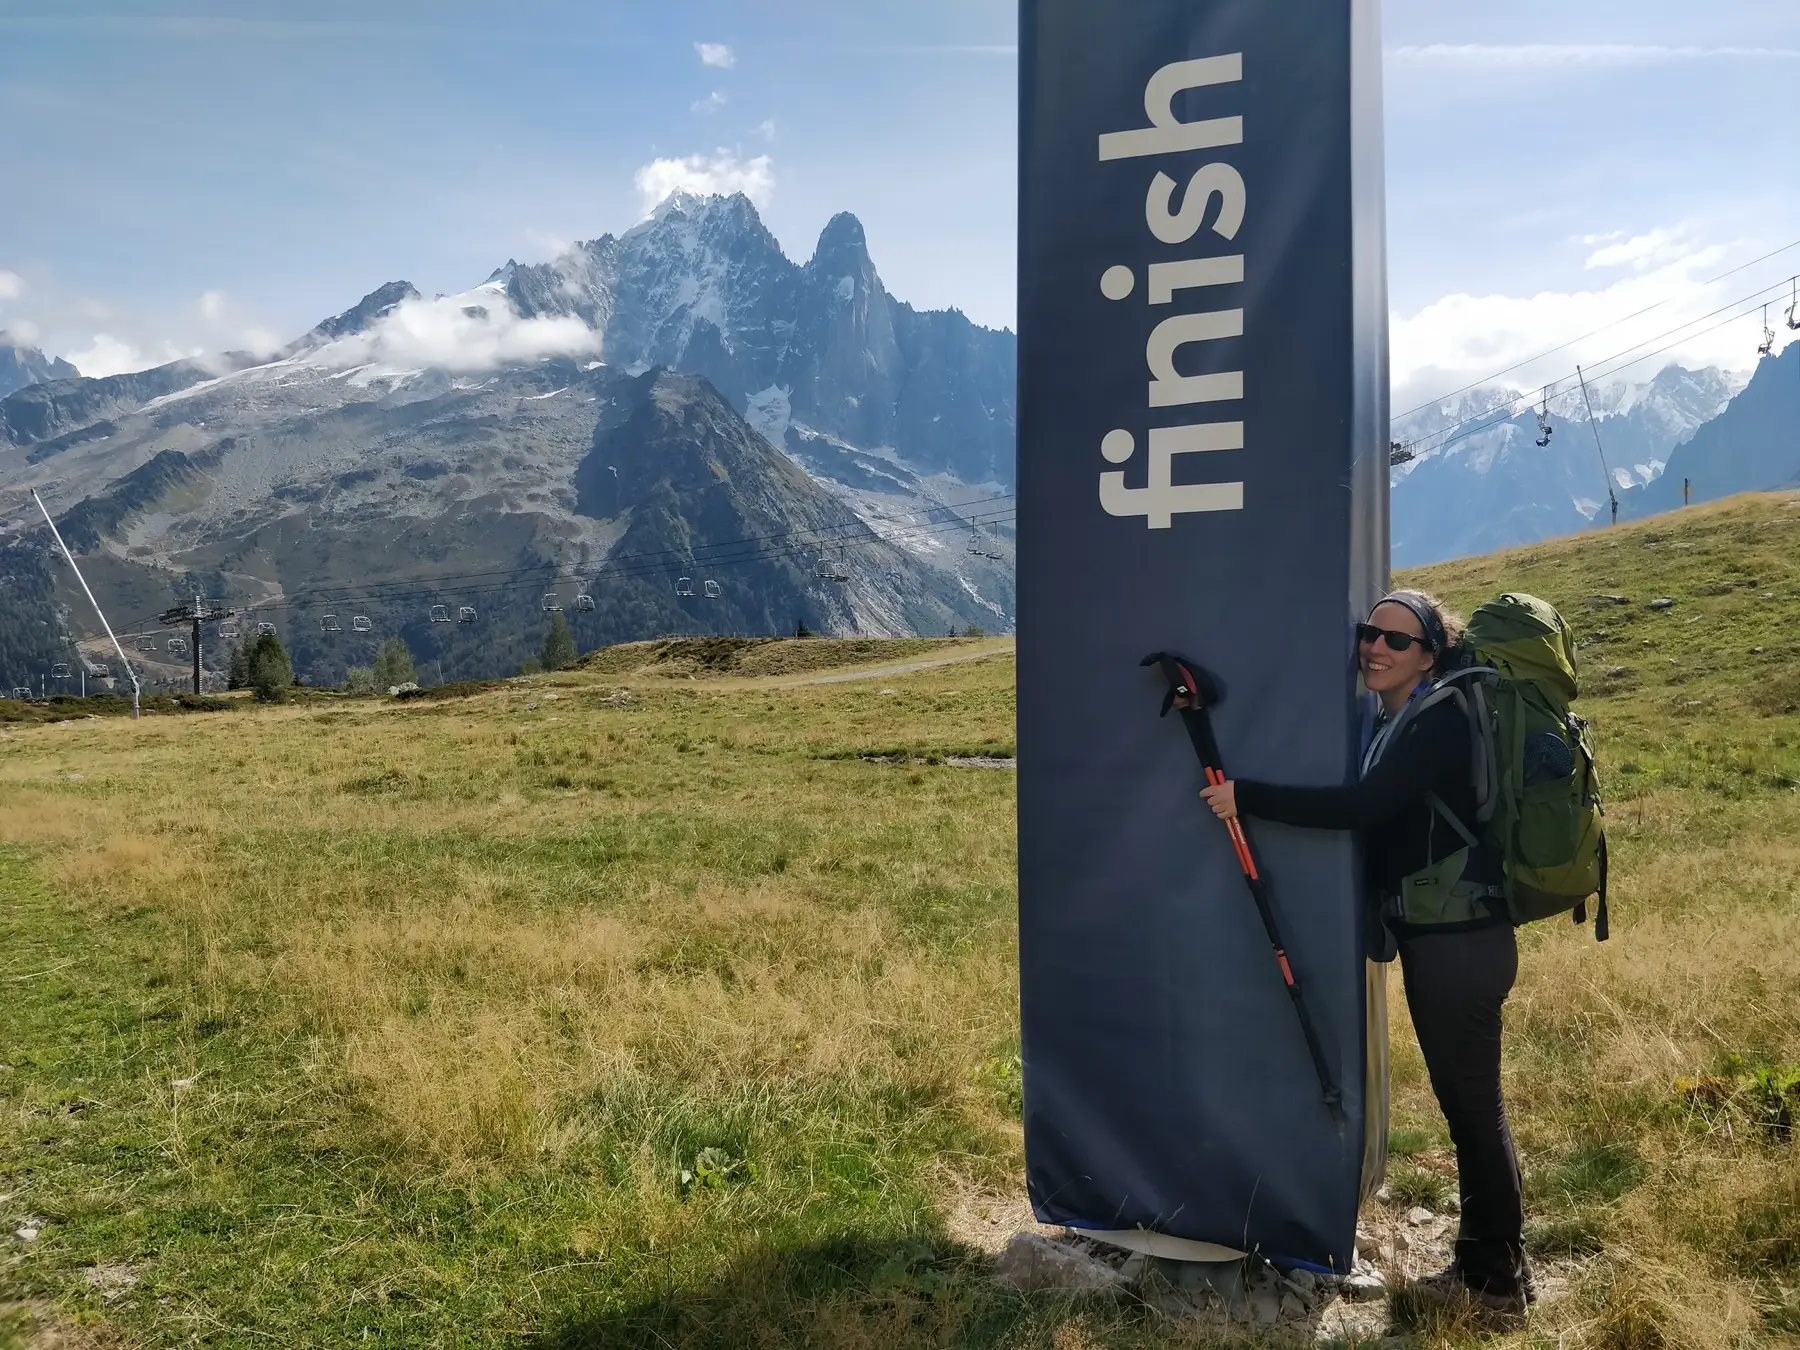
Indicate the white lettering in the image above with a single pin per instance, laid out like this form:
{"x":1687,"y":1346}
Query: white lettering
{"x":1169,"y":389}
{"x":1161,"y":499}
{"x":1166,"y":135}
{"x":1209,"y":181}
{"x":1167,"y":278}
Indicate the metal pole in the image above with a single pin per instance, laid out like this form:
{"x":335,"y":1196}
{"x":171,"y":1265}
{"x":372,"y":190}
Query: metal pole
{"x":57,"y":535}
{"x":197,"y":612}
{"x":1594,"y":427}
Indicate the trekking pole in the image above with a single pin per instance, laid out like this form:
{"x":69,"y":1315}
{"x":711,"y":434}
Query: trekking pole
{"x":1192,"y":683}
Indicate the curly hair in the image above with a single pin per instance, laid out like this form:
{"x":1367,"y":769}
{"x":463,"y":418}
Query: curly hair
{"x":1453,"y":629}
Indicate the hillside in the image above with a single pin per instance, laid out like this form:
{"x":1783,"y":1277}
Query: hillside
{"x":1696,"y":690}
{"x":614,"y":1008}
{"x":472,"y":449}
{"x":1753,"y":445}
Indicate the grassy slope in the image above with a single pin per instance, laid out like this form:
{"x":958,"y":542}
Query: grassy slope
{"x":463,"y":988}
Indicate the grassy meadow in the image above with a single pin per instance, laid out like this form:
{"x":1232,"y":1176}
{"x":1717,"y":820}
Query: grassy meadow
{"x":672,"y":1002}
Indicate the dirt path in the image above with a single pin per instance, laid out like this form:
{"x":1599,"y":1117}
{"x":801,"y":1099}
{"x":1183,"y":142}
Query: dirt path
{"x":905,"y":668}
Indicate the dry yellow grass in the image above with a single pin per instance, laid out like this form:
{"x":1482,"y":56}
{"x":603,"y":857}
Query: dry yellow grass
{"x":548,"y":955}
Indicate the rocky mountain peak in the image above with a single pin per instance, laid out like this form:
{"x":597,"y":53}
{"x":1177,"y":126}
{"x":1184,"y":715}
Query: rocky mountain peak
{"x":359,"y":317}
{"x":21,"y":365}
{"x":843,"y":248}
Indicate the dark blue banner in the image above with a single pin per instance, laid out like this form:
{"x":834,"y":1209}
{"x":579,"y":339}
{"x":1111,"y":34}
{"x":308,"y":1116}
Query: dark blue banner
{"x":1202,"y":468}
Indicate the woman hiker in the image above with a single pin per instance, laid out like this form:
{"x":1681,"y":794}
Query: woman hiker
{"x":1457,"y":973}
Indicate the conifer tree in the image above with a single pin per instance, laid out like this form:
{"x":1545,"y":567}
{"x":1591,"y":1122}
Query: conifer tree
{"x":559,"y":644}
{"x":271,"y":672}
{"x":238,"y":676}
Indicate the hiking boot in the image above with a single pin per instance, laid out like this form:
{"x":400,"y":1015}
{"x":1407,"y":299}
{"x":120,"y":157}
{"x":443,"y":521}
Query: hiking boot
{"x":1450,"y":1292}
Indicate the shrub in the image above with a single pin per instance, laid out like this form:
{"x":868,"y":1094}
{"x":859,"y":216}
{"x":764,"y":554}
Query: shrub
{"x":394,"y":664}
{"x":359,"y":680}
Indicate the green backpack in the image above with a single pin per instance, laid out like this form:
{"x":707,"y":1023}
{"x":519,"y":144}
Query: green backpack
{"x":1537,"y":792}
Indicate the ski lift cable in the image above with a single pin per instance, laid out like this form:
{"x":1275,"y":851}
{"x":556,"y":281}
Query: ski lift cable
{"x":1505,"y":409}
{"x":415,"y":586}
{"x":714,"y":557}
{"x":848,"y":531}
{"x":1531,"y":360}
{"x":1501,"y":412}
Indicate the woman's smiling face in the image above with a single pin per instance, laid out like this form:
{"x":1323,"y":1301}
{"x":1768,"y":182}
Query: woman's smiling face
{"x":1383,"y":668}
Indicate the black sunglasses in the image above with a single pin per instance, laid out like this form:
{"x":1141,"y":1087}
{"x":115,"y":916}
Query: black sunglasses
{"x":1366,"y":633}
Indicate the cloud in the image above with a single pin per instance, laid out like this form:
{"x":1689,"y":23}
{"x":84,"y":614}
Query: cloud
{"x":716,"y":54}
{"x":107,"y":355}
{"x":477,"y":330}
{"x":1463,"y":339}
{"x":22,"y":331}
{"x":212,"y":305}
{"x":1641,"y":251}
{"x":1537,"y":55}
{"x":766,"y":128}
{"x":12,"y":285}
{"x":710,"y":104}
{"x":720,"y":172}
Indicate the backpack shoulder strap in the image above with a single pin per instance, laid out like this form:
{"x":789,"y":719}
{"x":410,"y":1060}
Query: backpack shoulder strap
{"x":1463,"y":832}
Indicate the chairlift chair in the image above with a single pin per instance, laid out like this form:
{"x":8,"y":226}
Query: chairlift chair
{"x":1768,"y":342}
{"x":551,"y":604}
{"x":1793,"y":314}
{"x":264,"y":629}
{"x":684,"y":585}
{"x":713,"y":590}
{"x":585,"y":603}
{"x":100,"y":671}
{"x":466,"y":614}
{"x":59,"y":671}
{"x":146,"y":644}
{"x":330,"y":624}
{"x":228,"y":630}
{"x":178,"y":645}
{"x":22,"y":692}
{"x":1545,"y":430}
{"x":440,"y":614}
{"x":360,"y":623}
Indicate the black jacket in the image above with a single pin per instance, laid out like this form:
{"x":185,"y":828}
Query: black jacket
{"x":1401,"y":832}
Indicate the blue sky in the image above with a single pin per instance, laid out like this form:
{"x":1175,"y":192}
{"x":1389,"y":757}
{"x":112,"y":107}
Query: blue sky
{"x":192,"y":176}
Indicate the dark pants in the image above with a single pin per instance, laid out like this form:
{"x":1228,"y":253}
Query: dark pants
{"x":1455,"y":985}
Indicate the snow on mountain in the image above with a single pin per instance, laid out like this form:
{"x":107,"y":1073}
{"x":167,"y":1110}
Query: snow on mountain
{"x":1751,"y":446}
{"x":1479,"y":480}
{"x":702,"y":286}
{"x":410,"y":436}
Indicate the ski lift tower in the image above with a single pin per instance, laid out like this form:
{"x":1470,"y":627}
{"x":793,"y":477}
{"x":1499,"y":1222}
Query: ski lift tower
{"x":194,"y":615}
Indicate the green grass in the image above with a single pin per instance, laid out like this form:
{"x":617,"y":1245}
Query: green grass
{"x":615,"y":1007}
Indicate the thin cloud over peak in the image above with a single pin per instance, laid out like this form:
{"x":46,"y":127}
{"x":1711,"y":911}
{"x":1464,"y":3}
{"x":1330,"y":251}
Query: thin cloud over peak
{"x":715,"y":54}
{"x":720,"y":173}
{"x":12,"y":285}
{"x":475,"y":331}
